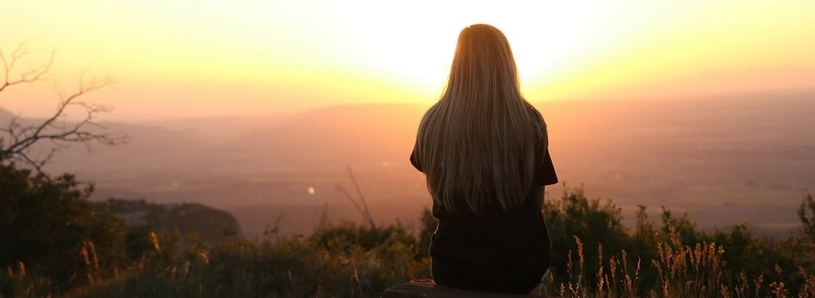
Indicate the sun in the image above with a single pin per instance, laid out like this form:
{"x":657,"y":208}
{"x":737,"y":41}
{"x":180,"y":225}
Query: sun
{"x":416,"y":53}
{"x":414,"y":44}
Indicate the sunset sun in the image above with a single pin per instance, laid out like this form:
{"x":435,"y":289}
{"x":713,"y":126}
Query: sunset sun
{"x":418,"y":52}
{"x":288,"y":55}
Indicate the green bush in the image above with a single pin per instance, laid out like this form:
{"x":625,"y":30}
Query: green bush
{"x":585,"y":232}
{"x":346,"y":260}
{"x":806,"y":213}
{"x":673,"y":258}
{"x":49,"y":230}
{"x":53,"y":243}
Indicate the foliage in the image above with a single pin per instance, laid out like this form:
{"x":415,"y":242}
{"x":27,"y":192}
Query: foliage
{"x":48,"y":229}
{"x":673,"y":258}
{"x":428,"y":228}
{"x":594,"y":256}
{"x":806,"y":213}
{"x":598,"y":227}
{"x":347,"y":260}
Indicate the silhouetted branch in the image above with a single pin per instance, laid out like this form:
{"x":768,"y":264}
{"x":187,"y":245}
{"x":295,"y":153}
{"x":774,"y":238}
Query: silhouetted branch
{"x":351,"y":198}
{"x":361,"y":196}
{"x":18,"y":137}
{"x":363,"y":207}
{"x":32,"y":74}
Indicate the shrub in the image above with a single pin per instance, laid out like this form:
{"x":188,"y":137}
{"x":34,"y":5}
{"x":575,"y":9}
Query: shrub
{"x":581,"y":227}
{"x":346,"y":260}
{"x":49,"y":230}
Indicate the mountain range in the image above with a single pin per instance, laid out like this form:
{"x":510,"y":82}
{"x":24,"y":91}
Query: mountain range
{"x":722,"y":160}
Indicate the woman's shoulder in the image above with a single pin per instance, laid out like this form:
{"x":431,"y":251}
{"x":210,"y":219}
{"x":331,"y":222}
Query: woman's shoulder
{"x":536,"y":115}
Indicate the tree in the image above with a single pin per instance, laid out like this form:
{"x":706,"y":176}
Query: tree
{"x":806,"y":213}
{"x":18,"y":137}
{"x":47,"y":226}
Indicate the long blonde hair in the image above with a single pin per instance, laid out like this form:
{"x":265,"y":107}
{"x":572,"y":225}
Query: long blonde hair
{"x":479,"y":142}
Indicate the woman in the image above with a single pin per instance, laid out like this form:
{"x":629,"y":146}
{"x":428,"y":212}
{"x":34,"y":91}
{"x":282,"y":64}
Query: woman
{"x":484,"y":151}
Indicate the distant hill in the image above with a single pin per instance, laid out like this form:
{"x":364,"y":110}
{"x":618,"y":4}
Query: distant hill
{"x":5,"y":115}
{"x":186,"y":218}
{"x":149,"y":147}
{"x":723,"y":160}
{"x":337,"y":135}
{"x":334,"y":136}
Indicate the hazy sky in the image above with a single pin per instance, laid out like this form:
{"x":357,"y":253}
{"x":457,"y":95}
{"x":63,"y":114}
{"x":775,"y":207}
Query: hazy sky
{"x":193,"y":58}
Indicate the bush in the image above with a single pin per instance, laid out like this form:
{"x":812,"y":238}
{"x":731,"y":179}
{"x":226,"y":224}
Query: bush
{"x":580,"y":227}
{"x":54,"y":243}
{"x":674,"y":258}
{"x":346,"y":260}
{"x":49,"y":230}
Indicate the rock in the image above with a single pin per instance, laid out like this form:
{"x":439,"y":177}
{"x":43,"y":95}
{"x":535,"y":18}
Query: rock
{"x":425,"y":288}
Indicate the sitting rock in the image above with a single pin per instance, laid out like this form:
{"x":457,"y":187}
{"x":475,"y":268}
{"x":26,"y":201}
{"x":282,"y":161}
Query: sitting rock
{"x":426,"y":288}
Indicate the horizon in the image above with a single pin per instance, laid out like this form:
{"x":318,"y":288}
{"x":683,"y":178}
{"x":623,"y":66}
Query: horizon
{"x":762,"y":95}
{"x":723,"y":161}
{"x":184,"y":60}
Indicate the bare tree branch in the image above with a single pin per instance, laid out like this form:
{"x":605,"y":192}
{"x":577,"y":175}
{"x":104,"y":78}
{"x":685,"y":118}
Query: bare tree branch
{"x":19,"y":136}
{"x":31,"y":75}
{"x":363,"y":207}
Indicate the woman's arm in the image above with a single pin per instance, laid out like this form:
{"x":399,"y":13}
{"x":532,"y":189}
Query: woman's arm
{"x":539,"y":193}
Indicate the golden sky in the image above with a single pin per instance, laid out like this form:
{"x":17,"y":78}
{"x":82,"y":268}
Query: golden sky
{"x":185,"y":58}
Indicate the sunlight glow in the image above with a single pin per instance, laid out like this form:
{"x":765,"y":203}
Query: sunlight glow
{"x":544,"y":36}
{"x":181,"y":58}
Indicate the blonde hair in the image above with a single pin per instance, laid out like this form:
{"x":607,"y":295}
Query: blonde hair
{"x":479,"y":142}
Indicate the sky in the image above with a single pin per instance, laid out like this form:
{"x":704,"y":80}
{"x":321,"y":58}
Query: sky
{"x":194,"y":58}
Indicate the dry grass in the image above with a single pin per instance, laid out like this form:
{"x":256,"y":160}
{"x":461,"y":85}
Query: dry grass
{"x":352,"y":260}
{"x":683,"y":271}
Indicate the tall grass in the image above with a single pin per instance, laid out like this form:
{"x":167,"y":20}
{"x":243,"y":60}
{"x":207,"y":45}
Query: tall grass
{"x":673,"y":259}
{"x":683,"y":271}
{"x":344,"y":260}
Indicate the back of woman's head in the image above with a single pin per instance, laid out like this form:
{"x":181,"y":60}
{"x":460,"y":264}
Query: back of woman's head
{"x":483,"y":61}
{"x":477,"y":145}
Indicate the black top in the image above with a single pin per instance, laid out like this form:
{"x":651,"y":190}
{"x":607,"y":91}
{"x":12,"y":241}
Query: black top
{"x":501,"y":251}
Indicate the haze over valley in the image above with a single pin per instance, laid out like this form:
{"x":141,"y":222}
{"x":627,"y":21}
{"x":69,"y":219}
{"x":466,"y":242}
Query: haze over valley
{"x":721,"y":160}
